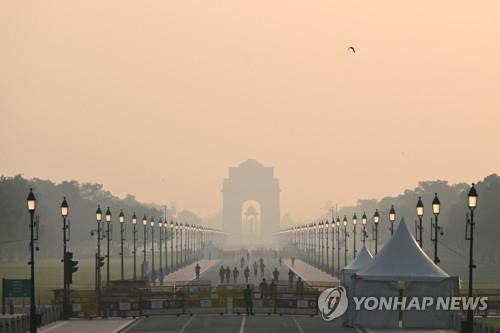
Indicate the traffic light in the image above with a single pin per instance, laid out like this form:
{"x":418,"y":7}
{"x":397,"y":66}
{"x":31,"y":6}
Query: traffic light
{"x":101,"y":261}
{"x":70,"y":266}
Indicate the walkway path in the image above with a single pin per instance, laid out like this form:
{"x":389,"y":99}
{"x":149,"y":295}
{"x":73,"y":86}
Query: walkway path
{"x":109,"y":325}
{"x":308,"y":272}
{"x":188,"y":273}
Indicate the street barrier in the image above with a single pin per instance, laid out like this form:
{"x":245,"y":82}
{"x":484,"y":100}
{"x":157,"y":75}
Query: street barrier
{"x":190,"y":298}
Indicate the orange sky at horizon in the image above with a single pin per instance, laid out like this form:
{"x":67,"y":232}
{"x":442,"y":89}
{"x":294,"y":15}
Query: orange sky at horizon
{"x":158,"y":99}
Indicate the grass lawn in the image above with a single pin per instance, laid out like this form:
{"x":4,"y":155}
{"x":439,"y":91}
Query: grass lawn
{"x":49,"y":275}
{"x":495,"y":322}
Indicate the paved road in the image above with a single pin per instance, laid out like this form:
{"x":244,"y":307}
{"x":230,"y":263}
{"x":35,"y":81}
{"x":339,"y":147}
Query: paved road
{"x":235,"y":323}
{"x":242,"y":324}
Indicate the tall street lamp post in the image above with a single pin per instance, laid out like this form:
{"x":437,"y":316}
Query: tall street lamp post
{"x":144,"y":251}
{"x":363,"y":222}
{"x":354,"y":221}
{"x":436,"y":207}
{"x":472,"y":203}
{"x":176,"y":245}
{"x":153,"y":272}
{"x":181,"y":230}
{"x":392,"y":218}
{"x":420,"y":214}
{"x":327,"y":231}
{"x":109,"y":235}
{"x":346,"y":234}
{"x":376,"y":220}
{"x":31,"y":204}
{"x":121,"y":219}
{"x":322,"y":245}
{"x":64,"y":214}
{"x":165,"y":238}
{"x":134,"y":223}
{"x":186,"y":245}
{"x":98,"y":217}
{"x":160,"y":231}
{"x":172,"y":267}
{"x":333,"y":245}
{"x":338,"y":245}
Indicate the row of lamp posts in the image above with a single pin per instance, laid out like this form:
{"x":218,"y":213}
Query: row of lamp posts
{"x":310,"y":239}
{"x":195,"y":238}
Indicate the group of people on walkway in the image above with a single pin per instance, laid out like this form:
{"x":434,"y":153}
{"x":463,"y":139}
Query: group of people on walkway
{"x":225,"y":274}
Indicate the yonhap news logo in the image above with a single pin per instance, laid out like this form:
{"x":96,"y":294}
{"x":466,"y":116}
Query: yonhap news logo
{"x":332,"y":303}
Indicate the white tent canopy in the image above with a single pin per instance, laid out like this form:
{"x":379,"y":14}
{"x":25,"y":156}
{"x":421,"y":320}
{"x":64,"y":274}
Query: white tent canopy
{"x":363,"y":259}
{"x":402,"y":259}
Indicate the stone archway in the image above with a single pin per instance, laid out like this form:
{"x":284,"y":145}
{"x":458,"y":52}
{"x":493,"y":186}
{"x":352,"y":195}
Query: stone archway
{"x":251,"y":181}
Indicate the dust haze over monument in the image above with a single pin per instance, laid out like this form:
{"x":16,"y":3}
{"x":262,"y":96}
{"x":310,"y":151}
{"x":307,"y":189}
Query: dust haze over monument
{"x":162,"y":107}
{"x":251,"y":203}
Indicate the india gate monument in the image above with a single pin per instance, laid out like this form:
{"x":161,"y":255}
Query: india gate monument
{"x":251,"y":202}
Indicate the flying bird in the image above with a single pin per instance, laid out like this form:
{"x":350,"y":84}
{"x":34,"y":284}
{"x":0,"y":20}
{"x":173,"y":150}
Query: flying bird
{"x":352,"y":49}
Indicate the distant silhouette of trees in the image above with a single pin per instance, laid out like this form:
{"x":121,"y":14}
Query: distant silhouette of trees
{"x":82,"y":199}
{"x":452,"y":218}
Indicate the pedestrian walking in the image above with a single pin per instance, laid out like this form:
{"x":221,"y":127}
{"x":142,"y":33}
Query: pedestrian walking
{"x":222,"y":272}
{"x":247,"y":294}
{"x":235,"y":275}
{"x":228,"y":274}
{"x":300,"y":288}
{"x":263,"y":287}
{"x":291,"y":277}
{"x":276,"y":274}
{"x":197,"y":271}
{"x":246,"y":272}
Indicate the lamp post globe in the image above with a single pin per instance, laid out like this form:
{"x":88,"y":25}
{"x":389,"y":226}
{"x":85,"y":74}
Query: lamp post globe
{"x":98,"y":214}
{"x":31,"y":202}
{"x":472,"y":198}
{"x":420,"y":214}
{"x":64,"y":208}
{"x":107,"y":216}
{"x":436,"y":208}
{"x":376,"y":217}
{"x":420,"y":207}
{"x":392,"y":218}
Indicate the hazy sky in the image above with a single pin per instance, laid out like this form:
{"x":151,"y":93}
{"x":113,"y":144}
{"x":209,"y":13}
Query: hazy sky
{"x":159,"y":98}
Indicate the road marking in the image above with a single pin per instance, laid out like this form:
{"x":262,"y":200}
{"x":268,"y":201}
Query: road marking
{"x":298,"y":325}
{"x":187,"y":324}
{"x":128,"y":326}
{"x":242,"y":326}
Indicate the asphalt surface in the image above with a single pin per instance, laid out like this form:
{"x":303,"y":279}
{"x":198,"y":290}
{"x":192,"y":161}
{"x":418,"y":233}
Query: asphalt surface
{"x":233,"y":323}
{"x":236,"y":323}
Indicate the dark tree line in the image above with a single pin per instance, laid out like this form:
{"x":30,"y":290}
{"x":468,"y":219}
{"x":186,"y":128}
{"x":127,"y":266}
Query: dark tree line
{"x":452,"y":218}
{"x":82,"y":198}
